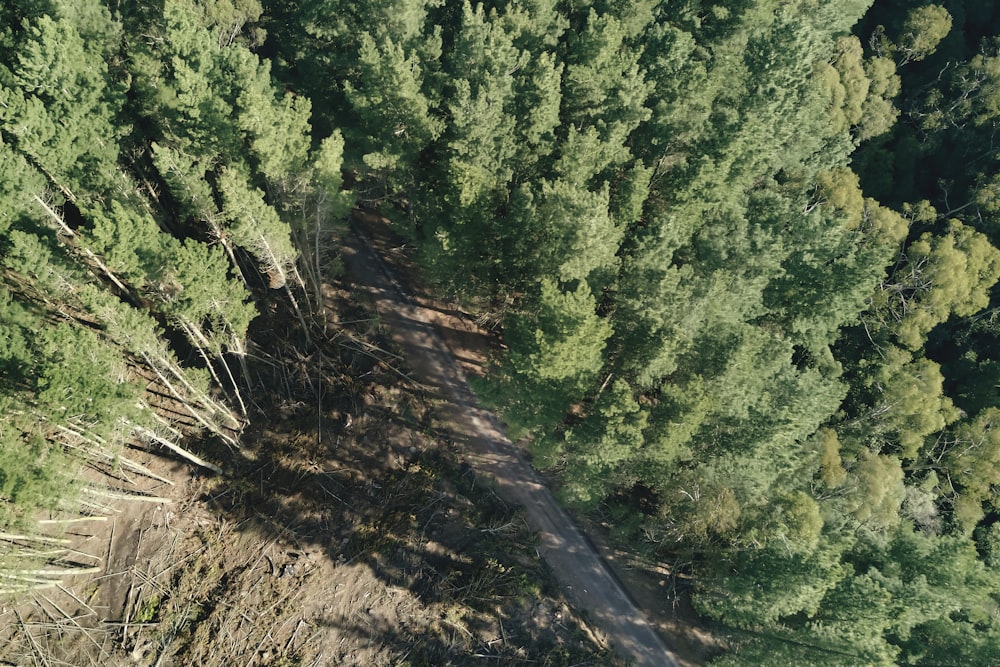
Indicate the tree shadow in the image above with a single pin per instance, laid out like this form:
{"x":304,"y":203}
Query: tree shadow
{"x":343,"y":458}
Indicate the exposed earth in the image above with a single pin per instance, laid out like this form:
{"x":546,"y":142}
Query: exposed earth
{"x":350,"y":530}
{"x":575,"y":562}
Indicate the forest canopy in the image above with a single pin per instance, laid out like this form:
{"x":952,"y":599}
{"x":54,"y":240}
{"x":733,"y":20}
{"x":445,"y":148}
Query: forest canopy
{"x":743,"y":257}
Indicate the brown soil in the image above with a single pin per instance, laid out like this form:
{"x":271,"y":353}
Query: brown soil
{"x":345,"y":533}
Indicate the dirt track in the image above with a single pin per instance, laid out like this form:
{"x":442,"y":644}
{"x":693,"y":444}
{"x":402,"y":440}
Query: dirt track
{"x":571,"y":556}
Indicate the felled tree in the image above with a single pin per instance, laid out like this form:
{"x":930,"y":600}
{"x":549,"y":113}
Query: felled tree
{"x":254,"y":225}
{"x":35,"y":473}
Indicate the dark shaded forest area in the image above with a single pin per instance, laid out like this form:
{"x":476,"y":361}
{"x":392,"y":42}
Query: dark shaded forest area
{"x":743,"y":257}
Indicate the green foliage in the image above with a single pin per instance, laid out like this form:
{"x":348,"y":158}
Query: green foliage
{"x":878,"y":491}
{"x":564,"y":341}
{"x":764,"y":586}
{"x":878,"y":112}
{"x":234,"y":153}
{"x":613,"y":430}
{"x":942,"y":276}
{"x":923,"y":28}
{"x":908,"y":400}
{"x":846,"y":82}
{"x":198,"y":291}
{"x":611,"y":434}
{"x":277,"y":130}
{"x":831,"y":465}
{"x":781,"y":646}
{"x":972,"y":463}
{"x":60,"y":101}
{"x":604,"y":85}
{"x":395,"y":115}
{"x":731,"y":275}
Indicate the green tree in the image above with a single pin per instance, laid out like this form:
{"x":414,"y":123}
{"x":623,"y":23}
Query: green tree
{"x":604,"y":86}
{"x":878,"y":112}
{"x":611,"y":434}
{"x":764,"y":586}
{"x":942,"y":275}
{"x":564,"y":342}
{"x":921,"y":31}
{"x":60,"y":101}
{"x":971,"y":460}
{"x":906,"y":402}
{"x":878,"y":492}
{"x":388,"y":95}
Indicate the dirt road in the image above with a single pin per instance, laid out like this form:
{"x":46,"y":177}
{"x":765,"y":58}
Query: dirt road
{"x":576,"y":564}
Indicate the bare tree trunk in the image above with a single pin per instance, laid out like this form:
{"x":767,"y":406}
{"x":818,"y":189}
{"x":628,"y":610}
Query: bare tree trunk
{"x":180,"y":451}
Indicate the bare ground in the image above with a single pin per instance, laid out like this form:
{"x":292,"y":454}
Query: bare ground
{"x":347,"y":532}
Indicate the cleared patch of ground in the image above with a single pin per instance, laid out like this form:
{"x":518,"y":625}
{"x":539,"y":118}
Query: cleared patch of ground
{"x":346,"y":532}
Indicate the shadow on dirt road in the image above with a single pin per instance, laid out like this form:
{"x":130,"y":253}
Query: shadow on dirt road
{"x":572,"y":557}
